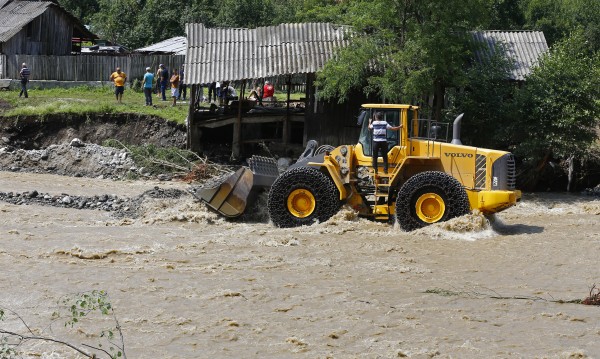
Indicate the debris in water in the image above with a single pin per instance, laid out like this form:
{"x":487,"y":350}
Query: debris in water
{"x":594,"y":298}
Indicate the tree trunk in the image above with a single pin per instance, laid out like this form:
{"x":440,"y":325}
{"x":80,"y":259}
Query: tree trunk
{"x":571,"y":170}
{"x":438,"y":100}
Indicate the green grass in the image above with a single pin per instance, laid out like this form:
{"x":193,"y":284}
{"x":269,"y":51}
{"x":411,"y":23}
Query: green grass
{"x":86,"y":100}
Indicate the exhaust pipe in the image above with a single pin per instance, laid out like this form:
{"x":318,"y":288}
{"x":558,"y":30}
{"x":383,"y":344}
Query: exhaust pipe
{"x":456,"y":130}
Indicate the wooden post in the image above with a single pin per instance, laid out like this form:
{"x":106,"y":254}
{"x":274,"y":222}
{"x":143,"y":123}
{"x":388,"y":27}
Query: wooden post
{"x":236,"y":145}
{"x":286,"y":122}
{"x":193,"y":135}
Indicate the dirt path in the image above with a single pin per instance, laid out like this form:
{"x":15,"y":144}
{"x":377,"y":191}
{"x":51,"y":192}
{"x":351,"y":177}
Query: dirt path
{"x":187,"y":284}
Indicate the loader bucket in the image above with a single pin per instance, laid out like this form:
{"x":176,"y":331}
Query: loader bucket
{"x":230,"y":196}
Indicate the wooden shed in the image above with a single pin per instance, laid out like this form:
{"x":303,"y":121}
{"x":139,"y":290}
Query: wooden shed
{"x":287,"y":54}
{"x":38,"y":28}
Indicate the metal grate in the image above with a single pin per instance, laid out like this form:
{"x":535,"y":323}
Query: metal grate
{"x":480,"y":171}
{"x":511,"y":172}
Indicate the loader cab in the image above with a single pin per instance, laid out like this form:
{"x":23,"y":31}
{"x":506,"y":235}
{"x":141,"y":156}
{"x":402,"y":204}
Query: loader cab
{"x":390,"y":115}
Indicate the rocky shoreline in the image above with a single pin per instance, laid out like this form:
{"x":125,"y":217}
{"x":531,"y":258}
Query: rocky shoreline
{"x":120,"y":206}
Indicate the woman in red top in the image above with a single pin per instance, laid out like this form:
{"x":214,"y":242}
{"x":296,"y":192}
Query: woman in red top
{"x":268,"y":91}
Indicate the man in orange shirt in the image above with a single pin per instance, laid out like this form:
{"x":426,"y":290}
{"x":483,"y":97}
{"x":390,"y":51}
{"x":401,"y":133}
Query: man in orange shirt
{"x":119,"y":78}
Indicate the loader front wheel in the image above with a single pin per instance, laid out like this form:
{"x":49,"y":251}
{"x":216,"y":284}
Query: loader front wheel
{"x":430,"y":197}
{"x":301,"y":196}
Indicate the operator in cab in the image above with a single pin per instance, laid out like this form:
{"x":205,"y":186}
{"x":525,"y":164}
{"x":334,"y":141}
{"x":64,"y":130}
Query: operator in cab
{"x":380,"y":127}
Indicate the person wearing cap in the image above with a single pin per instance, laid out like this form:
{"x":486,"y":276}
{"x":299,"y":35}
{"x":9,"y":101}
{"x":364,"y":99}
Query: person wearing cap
{"x":119,"y":78}
{"x":148,"y":80}
{"x":24,"y":75}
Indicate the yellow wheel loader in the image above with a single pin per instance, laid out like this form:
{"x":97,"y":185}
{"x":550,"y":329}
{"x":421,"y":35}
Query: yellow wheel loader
{"x":430,"y":179}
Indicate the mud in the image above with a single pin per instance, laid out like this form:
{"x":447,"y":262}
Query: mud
{"x":37,"y":132}
{"x":186,"y":283}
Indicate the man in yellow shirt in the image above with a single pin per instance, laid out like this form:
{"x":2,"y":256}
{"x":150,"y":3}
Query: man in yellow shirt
{"x":119,"y":78}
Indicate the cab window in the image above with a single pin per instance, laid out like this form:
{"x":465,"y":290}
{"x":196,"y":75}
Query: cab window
{"x":366,"y":135}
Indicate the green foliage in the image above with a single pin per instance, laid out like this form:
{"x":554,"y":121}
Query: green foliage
{"x":7,"y":350}
{"x":73,"y":309}
{"x":560,"y":103}
{"x":505,"y":15}
{"x":401,"y":50}
{"x":249,"y":13}
{"x":115,"y":19}
{"x":487,"y":100}
{"x":82,"y":305}
{"x":137,"y":85}
{"x":81,"y":9}
{"x":558,"y":18}
{"x":157,"y":160}
{"x":137,"y":23}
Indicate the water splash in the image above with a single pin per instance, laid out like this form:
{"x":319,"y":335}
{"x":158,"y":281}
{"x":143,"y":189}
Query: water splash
{"x":470,"y":227}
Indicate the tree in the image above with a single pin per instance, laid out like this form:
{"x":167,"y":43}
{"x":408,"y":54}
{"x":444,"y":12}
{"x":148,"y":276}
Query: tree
{"x":506,"y":15}
{"x":558,"y":18}
{"x":486,"y":97}
{"x":559,"y":107}
{"x":249,"y":13}
{"x":81,"y":9}
{"x":405,"y":48}
{"x":116,"y":19}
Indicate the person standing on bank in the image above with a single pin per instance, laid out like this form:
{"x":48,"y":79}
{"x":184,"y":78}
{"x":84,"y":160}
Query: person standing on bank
{"x":182,"y":85}
{"x":148,"y":80}
{"x":380,"y":127}
{"x":119,"y":78}
{"x":164,"y":80}
{"x":24,"y":75}
{"x":174,"y":86}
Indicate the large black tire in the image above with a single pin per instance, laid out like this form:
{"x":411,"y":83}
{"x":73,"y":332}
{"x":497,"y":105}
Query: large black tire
{"x":301,"y":196}
{"x":430,"y":197}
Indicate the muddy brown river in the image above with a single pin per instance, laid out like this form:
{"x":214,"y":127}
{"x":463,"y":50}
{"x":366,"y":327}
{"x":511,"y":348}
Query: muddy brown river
{"x":185,"y":283}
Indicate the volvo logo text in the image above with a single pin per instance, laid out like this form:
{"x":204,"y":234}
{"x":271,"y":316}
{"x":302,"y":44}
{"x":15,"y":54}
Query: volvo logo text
{"x":459,"y":155}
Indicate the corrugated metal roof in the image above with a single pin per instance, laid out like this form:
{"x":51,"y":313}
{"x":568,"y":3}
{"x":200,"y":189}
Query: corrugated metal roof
{"x":523,"y":47}
{"x":224,"y":54}
{"x":3,"y":2}
{"x":16,"y":15}
{"x":175,"y":45}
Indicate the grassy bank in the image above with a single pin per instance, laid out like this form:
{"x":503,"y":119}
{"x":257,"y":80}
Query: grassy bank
{"x":85,"y":100}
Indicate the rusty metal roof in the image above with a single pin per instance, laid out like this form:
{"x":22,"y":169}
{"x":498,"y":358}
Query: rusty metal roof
{"x":175,"y":45}
{"x":224,"y":54}
{"x":17,"y":14}
{"x":523,"y":47}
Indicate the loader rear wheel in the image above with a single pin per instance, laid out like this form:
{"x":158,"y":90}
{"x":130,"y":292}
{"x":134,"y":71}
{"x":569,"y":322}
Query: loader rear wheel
{"x":301,"y":196}
{"x":430,"y":197}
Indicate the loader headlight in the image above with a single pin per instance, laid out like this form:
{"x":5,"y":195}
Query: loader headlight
{"x":344,"y":151}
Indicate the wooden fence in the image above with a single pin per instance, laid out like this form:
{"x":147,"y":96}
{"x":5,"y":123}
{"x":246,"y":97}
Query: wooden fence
{"x":97,"y":67}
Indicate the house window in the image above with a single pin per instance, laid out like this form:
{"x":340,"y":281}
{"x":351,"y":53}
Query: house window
{"x":30,"y":29}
